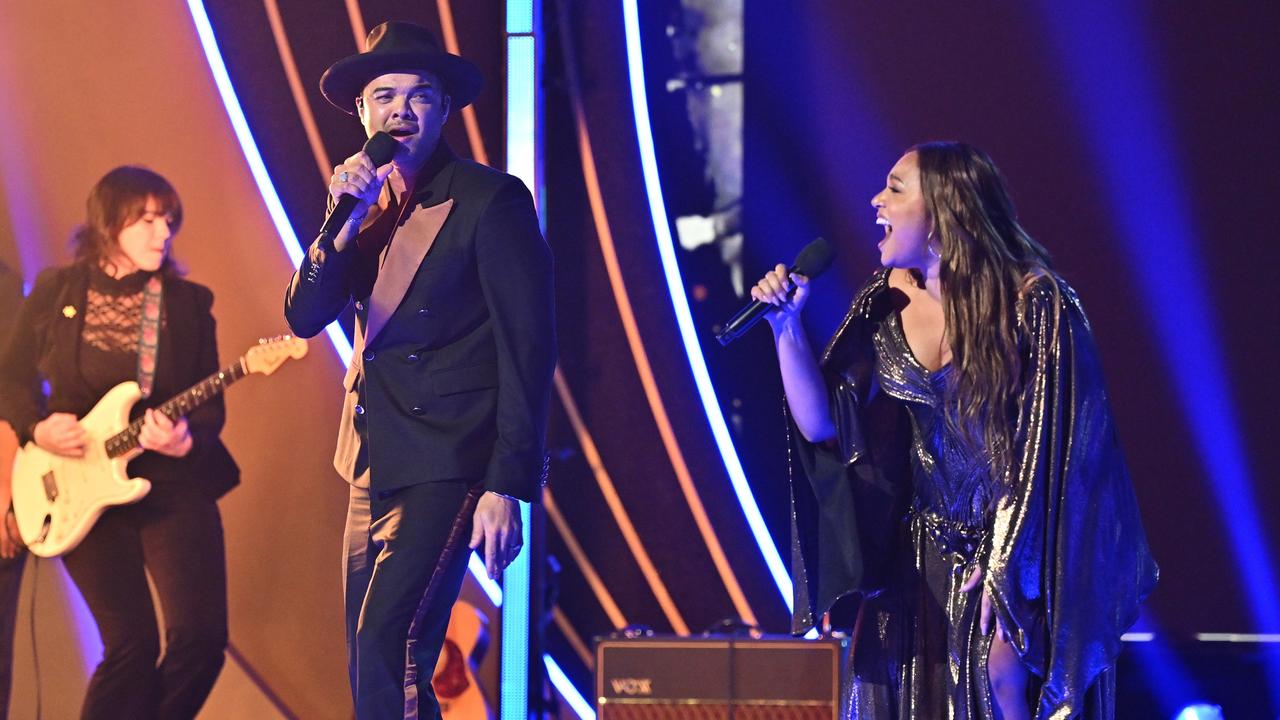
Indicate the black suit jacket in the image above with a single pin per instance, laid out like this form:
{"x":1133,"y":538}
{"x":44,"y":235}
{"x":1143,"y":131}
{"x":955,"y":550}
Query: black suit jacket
{"x":45,"y":346}
{"x":455,"y":332}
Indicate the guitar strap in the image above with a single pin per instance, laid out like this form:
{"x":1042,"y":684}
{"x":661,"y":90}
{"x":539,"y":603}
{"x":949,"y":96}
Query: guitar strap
{"x":149,"y":337}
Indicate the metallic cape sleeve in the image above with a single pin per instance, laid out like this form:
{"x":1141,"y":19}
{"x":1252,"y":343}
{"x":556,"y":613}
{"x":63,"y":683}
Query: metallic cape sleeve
{"x":826,"y":557}
{"x":1068,"y":561}
{"x":847,"y":366}
{"x":839,"y":494}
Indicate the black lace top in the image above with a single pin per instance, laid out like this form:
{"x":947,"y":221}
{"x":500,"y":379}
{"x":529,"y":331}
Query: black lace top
{"x":112,"y":323}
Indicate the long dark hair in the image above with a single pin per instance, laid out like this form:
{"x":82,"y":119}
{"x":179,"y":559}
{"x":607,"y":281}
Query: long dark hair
{"x":116,"y":202}
{"x":987,"y":259}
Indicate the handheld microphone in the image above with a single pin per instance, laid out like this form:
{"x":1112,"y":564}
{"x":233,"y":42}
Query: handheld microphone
{"x":812,"y":261}
{"x":380,"y":148}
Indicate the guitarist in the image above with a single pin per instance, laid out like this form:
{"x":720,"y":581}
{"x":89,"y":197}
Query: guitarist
{"x":122,"y":312}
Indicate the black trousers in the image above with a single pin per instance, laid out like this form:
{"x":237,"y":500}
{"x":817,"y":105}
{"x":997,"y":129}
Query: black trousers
{"x":175,"y":534}
{"x":10,"y":584}
{"x":393,"y":541}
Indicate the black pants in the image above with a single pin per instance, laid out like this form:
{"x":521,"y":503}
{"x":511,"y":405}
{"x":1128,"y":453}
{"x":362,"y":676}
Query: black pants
{"x":393,"y":542}
{"x":10,"y":583}
{"x":175,"y":533}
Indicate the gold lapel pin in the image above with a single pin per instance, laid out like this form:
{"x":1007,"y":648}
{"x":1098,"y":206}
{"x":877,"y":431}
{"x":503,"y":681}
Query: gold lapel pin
{"x":69,"y":311}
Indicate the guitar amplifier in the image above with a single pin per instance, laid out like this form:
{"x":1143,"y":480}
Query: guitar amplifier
{"x":674,"y":678}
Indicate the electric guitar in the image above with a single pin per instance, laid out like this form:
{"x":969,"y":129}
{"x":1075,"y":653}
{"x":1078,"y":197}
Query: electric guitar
{"x":57,"y":499}
{"x":454,"y":681}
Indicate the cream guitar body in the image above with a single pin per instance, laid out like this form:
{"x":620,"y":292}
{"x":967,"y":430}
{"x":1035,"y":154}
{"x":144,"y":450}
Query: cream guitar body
{"x":454,"y":679}
{"x":57,"y":499}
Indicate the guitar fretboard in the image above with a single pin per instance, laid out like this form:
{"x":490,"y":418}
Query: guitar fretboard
{"x":126,"y":440}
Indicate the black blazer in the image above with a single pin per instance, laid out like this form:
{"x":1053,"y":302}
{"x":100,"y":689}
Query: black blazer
{"x":46,"y":344}
{"x":456,"y":384}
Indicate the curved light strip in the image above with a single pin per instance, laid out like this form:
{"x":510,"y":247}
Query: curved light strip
{"x":610,"y":493}
{"x":573,"y":638}
{"x":680,"y":303}
{"x":357,"y":23}
{"x":469,"y":119}
{"x":598,"y":588}
{"x":285,"y":50}
{"x":481,"y":575}
{"x":644,"y":371}
{"x":567,"y":690}
{"x":251,"y":155}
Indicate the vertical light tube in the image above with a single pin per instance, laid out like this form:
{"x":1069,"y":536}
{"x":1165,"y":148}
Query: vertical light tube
{"x":522,"y":155}
{"x":522,"y":130}
{"x":514,"y":683}
{"x":524,"y":160}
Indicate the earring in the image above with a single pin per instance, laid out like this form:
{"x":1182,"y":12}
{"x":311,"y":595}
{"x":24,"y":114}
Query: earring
{"x":929,"y":244}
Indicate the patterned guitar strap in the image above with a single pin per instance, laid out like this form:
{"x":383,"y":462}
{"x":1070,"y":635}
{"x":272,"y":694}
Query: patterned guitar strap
{"x":149,"y":337}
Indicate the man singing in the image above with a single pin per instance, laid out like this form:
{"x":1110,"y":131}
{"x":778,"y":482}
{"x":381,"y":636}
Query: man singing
{"x":448,"y":389}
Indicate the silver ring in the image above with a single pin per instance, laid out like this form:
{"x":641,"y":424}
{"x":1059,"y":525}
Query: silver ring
{"x":344,"y":176}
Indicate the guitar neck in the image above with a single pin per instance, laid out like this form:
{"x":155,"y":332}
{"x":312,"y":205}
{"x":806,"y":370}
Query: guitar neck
{"x":126,"y":440}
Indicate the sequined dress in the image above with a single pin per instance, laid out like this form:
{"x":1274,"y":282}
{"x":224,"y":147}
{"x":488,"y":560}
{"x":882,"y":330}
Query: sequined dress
{"x":898,"y":509}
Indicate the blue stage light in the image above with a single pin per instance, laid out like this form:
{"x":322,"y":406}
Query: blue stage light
{"x":513,"y":682}
{"x":561,"y":681}
{"x":1171,"y":683}
{"x":522,"y":145}
{"x":520,"y":14}
{"x":1107,"y":61}
{"x":1199,"y":711}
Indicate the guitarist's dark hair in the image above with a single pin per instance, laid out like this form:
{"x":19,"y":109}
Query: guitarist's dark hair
{"x":117,"y":201}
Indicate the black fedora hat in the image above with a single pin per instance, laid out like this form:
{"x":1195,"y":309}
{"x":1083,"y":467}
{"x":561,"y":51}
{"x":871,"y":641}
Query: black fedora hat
{"x":400,"y":47}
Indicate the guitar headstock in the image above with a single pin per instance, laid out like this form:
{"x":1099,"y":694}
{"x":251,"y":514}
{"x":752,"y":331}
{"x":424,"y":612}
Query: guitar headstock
{"x":270,"y":353}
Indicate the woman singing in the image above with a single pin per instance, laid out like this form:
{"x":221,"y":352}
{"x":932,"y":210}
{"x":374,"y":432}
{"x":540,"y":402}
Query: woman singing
{"x":961,"y":467}
{"x":83,"y":329}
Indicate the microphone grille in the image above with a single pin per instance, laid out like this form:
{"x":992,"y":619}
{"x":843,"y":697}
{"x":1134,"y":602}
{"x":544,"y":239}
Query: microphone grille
{"x":815,"y":258}
{"x":381,"y":148}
